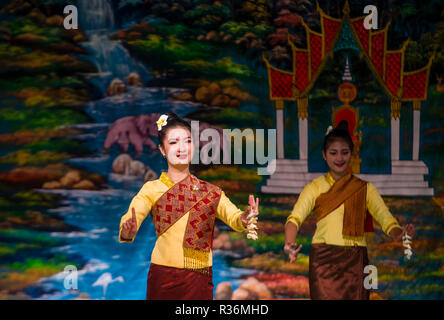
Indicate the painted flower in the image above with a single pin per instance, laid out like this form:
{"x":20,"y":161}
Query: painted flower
{"x":161,"y":122}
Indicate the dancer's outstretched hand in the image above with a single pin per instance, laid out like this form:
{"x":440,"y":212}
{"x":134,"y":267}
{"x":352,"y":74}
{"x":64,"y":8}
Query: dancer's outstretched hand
{"x":408,"y":229}
{"x":292,"y":250}
{"x":252,"y":210}
{"x":129,"y":228}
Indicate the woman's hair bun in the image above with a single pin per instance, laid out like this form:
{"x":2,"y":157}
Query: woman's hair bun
{"x":342,"y":125}
{"x":340,"y":132}
{"x":172,"y":117}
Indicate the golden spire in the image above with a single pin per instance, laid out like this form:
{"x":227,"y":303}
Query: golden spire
{"x":346,"y":9}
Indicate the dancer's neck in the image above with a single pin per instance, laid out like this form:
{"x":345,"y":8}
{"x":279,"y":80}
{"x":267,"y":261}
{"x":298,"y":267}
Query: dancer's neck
{"x":178,"y":173}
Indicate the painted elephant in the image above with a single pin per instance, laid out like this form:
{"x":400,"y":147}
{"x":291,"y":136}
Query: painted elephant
{"x":135,"y":130}
{"x":138,"y":130}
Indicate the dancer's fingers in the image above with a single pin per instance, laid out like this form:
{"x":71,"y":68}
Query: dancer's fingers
{"x":251,"y":215}
{"x":251,"y":200}
{"x":298,"y":249}
{"x":294,"y":249}
{"x":134,"y":226}
{"x":129,"y":224}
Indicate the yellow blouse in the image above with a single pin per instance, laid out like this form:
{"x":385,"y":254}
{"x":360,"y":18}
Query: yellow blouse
{"x":168,"y":250}
{"x":329,"y":229}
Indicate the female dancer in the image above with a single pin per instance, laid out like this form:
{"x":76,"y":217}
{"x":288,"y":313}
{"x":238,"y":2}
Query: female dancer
{"x":344,"y":206}
{"x":183,"y":210}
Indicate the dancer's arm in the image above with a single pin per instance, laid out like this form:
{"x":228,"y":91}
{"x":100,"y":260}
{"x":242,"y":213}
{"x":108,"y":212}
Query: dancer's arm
{"x":141,"y":205}
{"x":291,"y":231}
{"x":304,"y":206}
{"x":300,"y":212}
{"x":229,"y":213}
{"x":378,"y":209}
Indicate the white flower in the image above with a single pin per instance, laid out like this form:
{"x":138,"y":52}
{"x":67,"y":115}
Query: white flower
{"x":161,"y":122}
{"x":329,"y":130}
{"x":252,"y":227}
{"x":406,"y":243}
{"x":252,"y":236}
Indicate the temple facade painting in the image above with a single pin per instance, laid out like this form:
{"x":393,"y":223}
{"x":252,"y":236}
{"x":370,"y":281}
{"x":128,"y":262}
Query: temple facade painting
{"x":406,"y":177}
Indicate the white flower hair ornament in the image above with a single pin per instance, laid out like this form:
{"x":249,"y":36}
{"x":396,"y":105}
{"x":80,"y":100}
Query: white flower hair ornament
{"x":162,"y":122}
{"x":329,"y":129}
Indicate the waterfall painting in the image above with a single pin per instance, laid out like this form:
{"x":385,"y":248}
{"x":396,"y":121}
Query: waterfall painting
{"x":83,"y":83}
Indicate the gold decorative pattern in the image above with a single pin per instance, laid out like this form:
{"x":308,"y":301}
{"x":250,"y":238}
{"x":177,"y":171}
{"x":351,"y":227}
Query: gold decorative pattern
{"x":279,"y":104}
{"x":417,"y":105}
{"x":302,"y":107}
{"x":347,"y":92}
{"x":395,"y":109}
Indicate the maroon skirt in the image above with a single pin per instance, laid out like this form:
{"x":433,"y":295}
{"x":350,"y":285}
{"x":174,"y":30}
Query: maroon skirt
{"x":337,"y":272}
{"x":168,"y":283}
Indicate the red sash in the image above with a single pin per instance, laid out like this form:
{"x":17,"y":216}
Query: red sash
{"x":200,"y":199}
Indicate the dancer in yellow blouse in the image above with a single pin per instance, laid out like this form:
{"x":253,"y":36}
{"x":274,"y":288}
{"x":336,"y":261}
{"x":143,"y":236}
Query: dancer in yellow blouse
{"x":183,"y":210}
{"x":345,"y":207}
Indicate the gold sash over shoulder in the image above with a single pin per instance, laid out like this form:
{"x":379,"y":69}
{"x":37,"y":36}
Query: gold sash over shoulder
{"x":352,"y":192}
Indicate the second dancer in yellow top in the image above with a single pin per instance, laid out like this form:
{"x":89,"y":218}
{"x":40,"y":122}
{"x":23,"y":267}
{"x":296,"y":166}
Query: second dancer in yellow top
{"x":344,"y":207}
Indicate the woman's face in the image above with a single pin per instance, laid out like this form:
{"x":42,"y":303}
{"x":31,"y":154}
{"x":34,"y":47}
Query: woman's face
{"x":178,"y":146}
{"x":338,"y":155}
